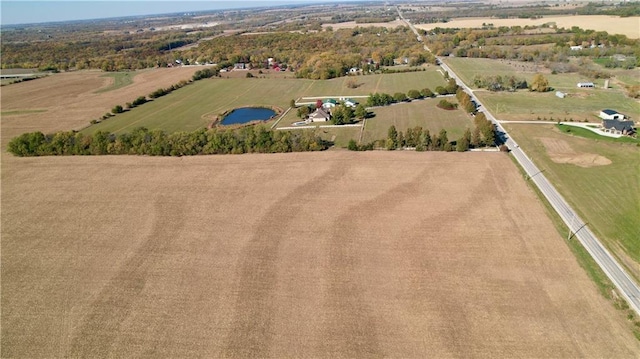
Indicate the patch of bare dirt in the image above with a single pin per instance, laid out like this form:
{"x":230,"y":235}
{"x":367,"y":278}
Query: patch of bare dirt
{"x":561,"y":152}
{"x":333,"y":254}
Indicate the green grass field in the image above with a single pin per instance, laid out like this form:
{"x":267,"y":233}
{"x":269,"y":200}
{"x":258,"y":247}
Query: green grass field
{"x":339,"y":136}
{"x":194,"y":106}
{"x":417,"y":113}
{"x":389,"y":83}
{"x":606,"y":197}
{"x":120,"y":79}
{"x":525,"y":105}
{"x":467,"y":68}
{"x":580,"y":104}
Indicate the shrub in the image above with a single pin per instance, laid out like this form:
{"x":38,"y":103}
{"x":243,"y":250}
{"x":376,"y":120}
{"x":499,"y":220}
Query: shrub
{"x":446,"y":105}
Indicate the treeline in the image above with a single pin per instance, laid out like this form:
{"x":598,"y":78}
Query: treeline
{"x":385,"y":99}
{"x":141,"y":141}
{"x":84,"y":50}
{"x":466,"y":101}
{"x":419,"y":139}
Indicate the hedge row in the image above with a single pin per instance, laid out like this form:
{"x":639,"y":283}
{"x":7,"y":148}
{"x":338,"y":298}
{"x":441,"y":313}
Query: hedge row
{"x":142,"y":141}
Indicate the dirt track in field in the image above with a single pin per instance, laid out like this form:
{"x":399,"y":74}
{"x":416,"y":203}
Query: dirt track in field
{"x":70,"y":101}
{"x":334,"y":254}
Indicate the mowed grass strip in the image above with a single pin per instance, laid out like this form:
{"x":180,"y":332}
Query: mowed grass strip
{"x":422,"y":113}
{"x":120,"y":79}
{"x":606,"y":197}
{"x":21,"y":112}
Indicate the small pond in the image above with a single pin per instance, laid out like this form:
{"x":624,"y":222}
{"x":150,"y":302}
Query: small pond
{"x":247,"y":114}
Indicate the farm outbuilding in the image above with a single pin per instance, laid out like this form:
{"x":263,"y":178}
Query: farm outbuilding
{"x":608,"y":114}
{"x":616,"y":123}
{"x":350,"y":103}
{"x":330,"y":103}
{"x":586,"y":84}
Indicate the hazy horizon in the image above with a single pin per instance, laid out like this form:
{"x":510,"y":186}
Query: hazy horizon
{"x":34,"y":12}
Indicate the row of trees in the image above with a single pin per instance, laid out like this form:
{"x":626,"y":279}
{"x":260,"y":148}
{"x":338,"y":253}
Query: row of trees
{"x":384,"y":99}
{"x":465,"y":101}
{"x":482,"y":135}
{"x":142,"y":141}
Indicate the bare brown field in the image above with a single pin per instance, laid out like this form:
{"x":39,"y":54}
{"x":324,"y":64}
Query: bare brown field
{"x":70,"y":101}
{"x":628,"y":26}
{"x":334,"y":254}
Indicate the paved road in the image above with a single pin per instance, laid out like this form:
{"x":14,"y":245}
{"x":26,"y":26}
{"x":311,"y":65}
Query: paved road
{"x":413,"y":28}
{"x":626,"y":286}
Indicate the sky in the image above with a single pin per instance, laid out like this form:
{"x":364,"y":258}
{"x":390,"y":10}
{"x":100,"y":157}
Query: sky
{"x":27,"y":12}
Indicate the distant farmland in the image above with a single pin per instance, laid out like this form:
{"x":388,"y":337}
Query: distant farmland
{"x":612,"y":24}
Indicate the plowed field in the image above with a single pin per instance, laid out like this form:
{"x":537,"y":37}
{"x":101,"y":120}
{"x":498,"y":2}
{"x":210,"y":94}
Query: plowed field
{"x":334,"y":254}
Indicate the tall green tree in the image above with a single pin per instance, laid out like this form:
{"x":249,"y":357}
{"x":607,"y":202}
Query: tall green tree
{"x":443,"y":139}
{"x":392,"y":138}
{"x":360,"y":112}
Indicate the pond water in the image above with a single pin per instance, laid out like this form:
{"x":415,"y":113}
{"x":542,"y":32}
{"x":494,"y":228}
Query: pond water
{"x":247,"y":114}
